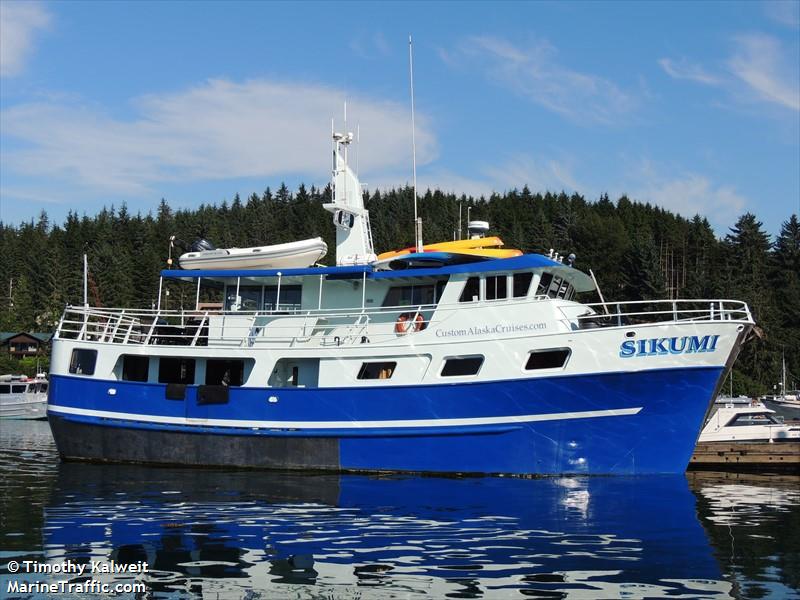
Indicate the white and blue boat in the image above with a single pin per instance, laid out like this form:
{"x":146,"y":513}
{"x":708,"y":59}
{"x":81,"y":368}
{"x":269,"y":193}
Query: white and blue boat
{"x":449,"y":365}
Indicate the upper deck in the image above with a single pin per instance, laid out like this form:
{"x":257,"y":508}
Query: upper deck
{"x":324,"y":307}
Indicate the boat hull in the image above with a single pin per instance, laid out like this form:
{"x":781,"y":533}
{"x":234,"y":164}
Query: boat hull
{"x":292,"y":255}
{"x":28,"y":408}
{"x":613,"y":423}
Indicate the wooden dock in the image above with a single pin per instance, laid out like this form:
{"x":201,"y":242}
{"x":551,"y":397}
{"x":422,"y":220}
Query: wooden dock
{"x":747,"y":456}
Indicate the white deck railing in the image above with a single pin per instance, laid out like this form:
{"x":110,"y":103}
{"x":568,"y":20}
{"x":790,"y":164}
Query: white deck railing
{"x":338,"y":327}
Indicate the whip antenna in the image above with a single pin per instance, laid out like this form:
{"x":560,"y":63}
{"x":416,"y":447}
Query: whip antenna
{"x":417,"y":221}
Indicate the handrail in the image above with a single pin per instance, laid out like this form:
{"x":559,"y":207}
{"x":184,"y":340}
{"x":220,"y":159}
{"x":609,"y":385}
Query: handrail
{"x":317,"y":326}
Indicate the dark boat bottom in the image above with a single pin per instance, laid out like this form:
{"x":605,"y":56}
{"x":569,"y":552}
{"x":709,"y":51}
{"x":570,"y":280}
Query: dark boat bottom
{"x":84,"y":442}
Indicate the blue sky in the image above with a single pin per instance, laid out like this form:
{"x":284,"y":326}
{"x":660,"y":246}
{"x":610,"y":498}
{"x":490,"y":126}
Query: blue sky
{"x":694,"y":106}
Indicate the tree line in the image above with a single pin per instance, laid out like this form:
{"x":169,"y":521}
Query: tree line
{"x":637,"y":252}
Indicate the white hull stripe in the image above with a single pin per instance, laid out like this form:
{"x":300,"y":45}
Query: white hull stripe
{"x":586,"y":414}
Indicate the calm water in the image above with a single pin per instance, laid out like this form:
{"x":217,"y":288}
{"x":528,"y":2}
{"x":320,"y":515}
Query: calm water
{"x":217,"y":534}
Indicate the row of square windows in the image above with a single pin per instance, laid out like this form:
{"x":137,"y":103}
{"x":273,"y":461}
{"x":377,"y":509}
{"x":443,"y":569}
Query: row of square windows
{"x":230,"y":372}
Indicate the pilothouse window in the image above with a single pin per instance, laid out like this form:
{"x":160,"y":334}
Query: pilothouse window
{"x":544,"y":284}
{"x":496,"y":287}
{"x":522,"y":283}
{"x":472,"y":290}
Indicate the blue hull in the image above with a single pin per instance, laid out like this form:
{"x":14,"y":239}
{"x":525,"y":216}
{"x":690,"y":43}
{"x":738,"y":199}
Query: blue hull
{"x":649,"y":422}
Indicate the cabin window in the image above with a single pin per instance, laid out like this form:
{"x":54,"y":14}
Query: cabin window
{"x":409,"y":295}
{"x":224,"y":372}
{"x":250,"y":297}
{"x":544,"y":284}
{"x":5,"y":389}
{"x":295,"y":372}
{"x":43,"y":388}
{"x":176,"y":370}
{"x":547,"y":359}
{"x":135,"y":368}
{"x":82,"y":361}
{"x":564,"y":290}
{"x":377,"y":370}
{"x":522,"y":283}
{"x":18,"y":389}
{"x":752,"y":419}
{"x":555,"y":286}
{"x":461,"y":366}
{"x":471,"y":291}
{"x":289,"y":300}
{"x":440,"y":285}
{"x":496,"y":287}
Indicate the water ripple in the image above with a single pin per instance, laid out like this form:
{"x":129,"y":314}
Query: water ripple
{"x":218,"y":534}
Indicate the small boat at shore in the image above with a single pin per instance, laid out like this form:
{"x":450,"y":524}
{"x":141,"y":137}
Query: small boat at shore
{"x":292,"y":255}
{"x":22,"y":397}
{"x":733,"y":423}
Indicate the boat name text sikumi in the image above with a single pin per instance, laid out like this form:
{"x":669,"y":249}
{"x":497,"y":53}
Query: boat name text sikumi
{"x":687,"y":344}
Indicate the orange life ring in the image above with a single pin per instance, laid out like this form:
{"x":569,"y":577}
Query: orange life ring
{"x":408,"y":323}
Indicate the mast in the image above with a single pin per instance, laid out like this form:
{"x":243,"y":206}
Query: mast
{"x":783,"y":373}
{"x":353,"y":233}
{"x":417,"y":221}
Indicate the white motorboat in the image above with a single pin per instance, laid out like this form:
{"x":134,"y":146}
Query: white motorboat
{"x":22,"y":397}
{"x":733,"y":423}
{"x":292,"y":255}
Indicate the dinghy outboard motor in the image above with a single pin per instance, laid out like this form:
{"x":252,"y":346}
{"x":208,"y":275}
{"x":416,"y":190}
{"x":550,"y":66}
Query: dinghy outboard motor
{"x":202,"y":245}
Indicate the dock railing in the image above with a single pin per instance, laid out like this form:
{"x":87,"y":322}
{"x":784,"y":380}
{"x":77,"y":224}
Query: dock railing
{"x":337,"y":327}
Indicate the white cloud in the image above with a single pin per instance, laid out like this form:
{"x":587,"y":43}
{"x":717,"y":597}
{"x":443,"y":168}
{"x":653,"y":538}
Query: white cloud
{"x":688,"y":194}
{"x":784,"y":12}
{"x":518,"y":171}
{"x":759,"y":62}
{"x":19,"y":23}
{"x":370,"y":46}
{"x":683,"y":69}
{"x":217,"y":130}
{"x":539,"y":175}
{"x":533,"y":71}
{"x":761,"y":68}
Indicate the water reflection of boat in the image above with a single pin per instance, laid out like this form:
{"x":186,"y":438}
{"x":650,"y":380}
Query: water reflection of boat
{"x":218,"y":533}
{"x":751,"y":521}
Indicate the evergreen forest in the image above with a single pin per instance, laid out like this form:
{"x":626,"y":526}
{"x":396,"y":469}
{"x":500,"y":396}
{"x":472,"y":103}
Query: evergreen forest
{"x":637,"y":252}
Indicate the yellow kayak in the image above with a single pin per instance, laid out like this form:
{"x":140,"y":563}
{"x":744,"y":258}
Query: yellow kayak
{"x":456,"y":246}
{"x":490,"y":252}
